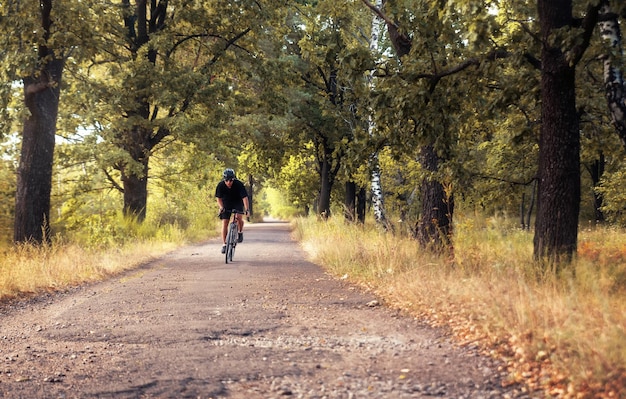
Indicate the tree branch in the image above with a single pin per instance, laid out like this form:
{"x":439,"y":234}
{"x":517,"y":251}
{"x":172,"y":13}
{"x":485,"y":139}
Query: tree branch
{"x":517,"y":183}
{"x":492,"y":56}
{"x":401,"y":42}
{"x":380,"y":14}
{"x":115,"y":184}
{"x":229,"y":43}
{"x":588,"y":25}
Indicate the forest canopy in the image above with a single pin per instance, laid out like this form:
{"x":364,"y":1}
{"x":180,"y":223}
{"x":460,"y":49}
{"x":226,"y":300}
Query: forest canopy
{"x":391,"y":110}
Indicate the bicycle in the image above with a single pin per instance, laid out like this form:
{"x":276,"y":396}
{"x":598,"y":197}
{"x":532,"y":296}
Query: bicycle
{"x":232,"y":235}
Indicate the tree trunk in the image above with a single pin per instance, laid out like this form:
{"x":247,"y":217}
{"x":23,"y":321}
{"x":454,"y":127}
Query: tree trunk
{"x":360,"y":205}
{"x":596,"y":170}
{"x":531,"y":204}
{"x":135,"y":195}
{"x":135,"y":176}
{"x":558,"y":204}
{"x":615,"y":88}
{"x":355,"y":203}
{"x":434,"y":228}
{"x":350,"y":202}
{"x":522,"y":212}
{"x":139,"y":140}
{"x":326,"y":185}
{"x":378,"y":202}
{"x":250,"y":194}
{"x":34,"y":174}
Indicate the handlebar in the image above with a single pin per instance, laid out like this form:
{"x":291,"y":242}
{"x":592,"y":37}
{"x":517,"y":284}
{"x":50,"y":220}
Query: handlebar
{"x":236,"y":211}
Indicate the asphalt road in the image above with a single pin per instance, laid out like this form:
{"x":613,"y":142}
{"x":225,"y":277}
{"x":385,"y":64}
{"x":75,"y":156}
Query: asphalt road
{"x":268,"y":325}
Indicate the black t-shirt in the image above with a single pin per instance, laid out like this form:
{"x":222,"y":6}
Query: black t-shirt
{"x":233,"y":196}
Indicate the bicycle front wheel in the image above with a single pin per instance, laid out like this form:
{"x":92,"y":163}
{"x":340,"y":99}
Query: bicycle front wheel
{"x":229,"y":252}
{"x":231,"y":242}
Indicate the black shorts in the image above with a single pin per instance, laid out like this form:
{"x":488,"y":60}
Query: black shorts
{"x":226,"y":214}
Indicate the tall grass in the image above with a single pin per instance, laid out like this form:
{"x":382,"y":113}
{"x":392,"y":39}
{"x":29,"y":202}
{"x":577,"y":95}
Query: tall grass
{"x":28,"y":269}
{"x":107,"y":250}
{"x":561,"y":334}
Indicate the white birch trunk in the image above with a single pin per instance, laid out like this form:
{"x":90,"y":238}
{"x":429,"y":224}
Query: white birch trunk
{"x":615,"y":89}
{"x":377,"y":190}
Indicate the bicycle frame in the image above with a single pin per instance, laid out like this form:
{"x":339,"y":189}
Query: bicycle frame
{"x":231,"y":236}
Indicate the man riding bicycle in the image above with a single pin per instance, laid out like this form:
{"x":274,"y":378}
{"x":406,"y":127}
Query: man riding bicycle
{"x":231,"y":194}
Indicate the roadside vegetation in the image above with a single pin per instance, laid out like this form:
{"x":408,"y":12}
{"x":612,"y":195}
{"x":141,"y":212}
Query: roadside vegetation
{"x":563,"y":333}
{"x":28,"y":269}
{"x":116,"y":123}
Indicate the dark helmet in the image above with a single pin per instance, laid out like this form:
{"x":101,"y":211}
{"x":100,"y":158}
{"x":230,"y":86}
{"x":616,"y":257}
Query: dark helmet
{"x":229,"y":174}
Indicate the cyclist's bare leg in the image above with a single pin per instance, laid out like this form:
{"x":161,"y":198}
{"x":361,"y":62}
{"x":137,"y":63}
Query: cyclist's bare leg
{"x":240,"y":223}
{"x":239,"y":219}
{"x":224,"y":229}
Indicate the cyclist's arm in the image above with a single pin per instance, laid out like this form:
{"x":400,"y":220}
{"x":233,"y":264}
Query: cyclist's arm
{"x":220,"y":204}
{"x":246,"y":205}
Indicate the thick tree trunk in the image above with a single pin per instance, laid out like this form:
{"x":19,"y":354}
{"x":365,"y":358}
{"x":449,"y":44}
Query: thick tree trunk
{"x":558,"y":204}
{"x":326,"y":185}
{"x":135,"y":176}
{"x":434,"y":229}
{"x":34,"y":174}
{"x":139,"y":140}
{"x":135,"y":196}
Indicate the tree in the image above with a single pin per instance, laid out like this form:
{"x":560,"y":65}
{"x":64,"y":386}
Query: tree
{"x":378,"y":201}
{"x":165,"y":72}
{"x":37,"y":43}
{"x":615,"y":87}
{"x":322,"y":104}
{"x":433,"y":229}
{"x":558,"y":202}
{"x":431,"y":46}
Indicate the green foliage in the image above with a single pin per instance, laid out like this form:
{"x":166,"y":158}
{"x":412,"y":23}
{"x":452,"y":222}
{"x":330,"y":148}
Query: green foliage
{"x":265,"y":105}
{"x":275,"y":204}
{"x":183,"y":190}
{"x":7,"y":192}
{"x":298,"y":181}
{"x":613,"y":188}
{"x":401,"y":177}
{"x":87,"y":207}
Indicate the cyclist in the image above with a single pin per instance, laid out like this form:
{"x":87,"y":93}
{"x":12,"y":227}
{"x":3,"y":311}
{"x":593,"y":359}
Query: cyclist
{"x":231,"y":194}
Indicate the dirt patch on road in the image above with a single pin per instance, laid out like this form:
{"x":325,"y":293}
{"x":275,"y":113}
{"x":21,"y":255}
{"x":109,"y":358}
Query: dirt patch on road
{"x":268,"y":325}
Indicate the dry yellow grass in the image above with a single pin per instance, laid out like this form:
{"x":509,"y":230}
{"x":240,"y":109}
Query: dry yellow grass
{"x":28,"y":269}
{"x":564,"y":335}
